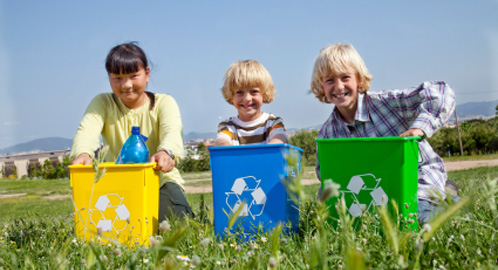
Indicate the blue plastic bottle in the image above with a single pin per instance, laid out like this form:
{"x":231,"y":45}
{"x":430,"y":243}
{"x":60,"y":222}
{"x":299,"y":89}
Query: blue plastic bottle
{"x":134,"y":149}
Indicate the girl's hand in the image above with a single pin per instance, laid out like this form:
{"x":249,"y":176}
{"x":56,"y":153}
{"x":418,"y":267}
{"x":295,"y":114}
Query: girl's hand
{"x":164,"y":162}
{"x":413,"y":132}
{"x":84,"y":159}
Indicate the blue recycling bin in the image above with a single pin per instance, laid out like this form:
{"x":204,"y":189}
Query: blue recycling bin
{"x":251,"y":177}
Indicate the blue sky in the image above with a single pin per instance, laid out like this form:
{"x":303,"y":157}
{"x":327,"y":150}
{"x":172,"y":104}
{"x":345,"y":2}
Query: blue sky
{"x":52,"y":53}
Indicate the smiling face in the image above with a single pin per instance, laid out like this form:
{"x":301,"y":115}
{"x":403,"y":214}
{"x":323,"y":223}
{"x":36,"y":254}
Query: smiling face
{"x":130,"y":87}
{"x":248,"y":101}
{"x":342,"y":90}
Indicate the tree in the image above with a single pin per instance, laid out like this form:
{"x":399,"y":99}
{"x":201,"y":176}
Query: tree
{"x":305,"y":139}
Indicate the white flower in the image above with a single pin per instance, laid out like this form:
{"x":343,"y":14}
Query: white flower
{"x":183,"y":258}
{"x":263,"y":239}
{"x":204,"y":243}
{"x":164,"y":226}
{"x":427,"y":227}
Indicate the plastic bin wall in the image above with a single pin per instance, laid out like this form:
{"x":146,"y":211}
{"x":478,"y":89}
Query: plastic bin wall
{"x":372,"y":172}
{"x":251,"y":176}
{"x":124,"y":203}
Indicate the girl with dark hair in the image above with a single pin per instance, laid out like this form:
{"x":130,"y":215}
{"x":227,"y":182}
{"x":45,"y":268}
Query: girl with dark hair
{"x":111,"y":115}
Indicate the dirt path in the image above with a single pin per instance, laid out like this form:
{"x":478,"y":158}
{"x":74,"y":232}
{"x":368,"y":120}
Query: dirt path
{"x":450,"y":166}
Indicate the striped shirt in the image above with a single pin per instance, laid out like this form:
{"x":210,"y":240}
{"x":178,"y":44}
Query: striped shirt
{"x":392,"y":112}
{"x":259,"y":131}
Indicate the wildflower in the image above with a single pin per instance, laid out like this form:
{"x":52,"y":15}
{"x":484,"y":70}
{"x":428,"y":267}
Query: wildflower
{"x":183,"y":258}
{"x":364,"y":240}
{"x":234,"y":262}
{"x":253,"y":245}
{"x":153,"y":241}
{"x":411,"y":221}
{"x":463,"y":237}
{"x":263,"y":239}
{"x":237,"y":249}
{"x":250,"y":253}
{"x":233,"y":245}
{"x":272,"y":262}
{"x":75,"y":241}
{"x":145,"y":260}
{"x":117,"y":252}
{"x":6,"y":234}
{"x":330,"y":189}
{"x":478,"y":251}
{"x":221,"y":246}
{"x":196,"y":260}
{"x":427,"y":227}
{"x":406,"y":205}
{"x":164,"y":226}
{"x":204,"y":243}
{"x":218,"y":263}
{"x":104,"y":258}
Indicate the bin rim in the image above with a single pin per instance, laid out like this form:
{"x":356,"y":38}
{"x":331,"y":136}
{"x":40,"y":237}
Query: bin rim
{"x":367,"y":139}
{"x":114,"y":165}
{"x":249,"y":146}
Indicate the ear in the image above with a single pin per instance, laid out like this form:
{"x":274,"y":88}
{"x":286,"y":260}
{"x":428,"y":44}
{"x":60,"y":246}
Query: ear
{"x":147,"y":72}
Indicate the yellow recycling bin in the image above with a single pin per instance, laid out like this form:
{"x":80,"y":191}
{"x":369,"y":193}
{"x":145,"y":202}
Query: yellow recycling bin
{"x":122,"y":206}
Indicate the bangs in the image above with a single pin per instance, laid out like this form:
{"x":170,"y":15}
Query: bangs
{"x":125,"y":59}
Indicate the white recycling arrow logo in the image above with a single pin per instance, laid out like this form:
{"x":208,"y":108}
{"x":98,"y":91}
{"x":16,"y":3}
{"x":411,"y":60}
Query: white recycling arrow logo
{"x":246,"y":191}
{"x":360,"y":184}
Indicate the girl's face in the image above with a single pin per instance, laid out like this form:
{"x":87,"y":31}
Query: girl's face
{"x":130,"y":87}
{"x":248,"y":102}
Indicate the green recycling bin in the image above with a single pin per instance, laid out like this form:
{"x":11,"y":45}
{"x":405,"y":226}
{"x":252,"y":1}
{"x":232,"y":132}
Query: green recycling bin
{"x":372,"y":172}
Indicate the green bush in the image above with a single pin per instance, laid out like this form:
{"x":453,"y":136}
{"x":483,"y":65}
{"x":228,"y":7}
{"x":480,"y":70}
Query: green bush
{"x":195,"y":163}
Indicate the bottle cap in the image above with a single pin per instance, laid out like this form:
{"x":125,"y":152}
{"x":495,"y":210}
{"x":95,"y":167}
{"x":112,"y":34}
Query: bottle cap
{"x":135,"y":130}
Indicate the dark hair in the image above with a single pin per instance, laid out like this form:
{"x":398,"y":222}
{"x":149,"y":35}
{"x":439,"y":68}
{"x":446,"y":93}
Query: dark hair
{"x":126,"y":58}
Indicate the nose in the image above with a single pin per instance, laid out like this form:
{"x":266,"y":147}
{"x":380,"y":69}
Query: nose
{"x":339,"y":85}
{"x":126,"y":83}
{"x":247,"y":96}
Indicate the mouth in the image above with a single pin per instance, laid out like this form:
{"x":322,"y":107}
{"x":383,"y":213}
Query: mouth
{"x":342,"y":95}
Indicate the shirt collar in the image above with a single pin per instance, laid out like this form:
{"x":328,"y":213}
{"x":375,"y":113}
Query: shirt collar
{"x":361,"y":114}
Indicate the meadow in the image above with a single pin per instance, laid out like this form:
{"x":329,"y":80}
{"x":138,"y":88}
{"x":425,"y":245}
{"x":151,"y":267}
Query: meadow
{"x":37,"y":232}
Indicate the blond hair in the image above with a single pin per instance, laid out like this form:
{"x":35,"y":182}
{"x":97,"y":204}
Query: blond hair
{"x":334,"y":60}
{"x":248,"y":73}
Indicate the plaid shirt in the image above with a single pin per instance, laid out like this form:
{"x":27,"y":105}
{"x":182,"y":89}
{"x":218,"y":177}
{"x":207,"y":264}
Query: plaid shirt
{"x":392,"y":112}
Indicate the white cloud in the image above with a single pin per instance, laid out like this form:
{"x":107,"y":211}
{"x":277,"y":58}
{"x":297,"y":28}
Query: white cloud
{"x":11,"y":123}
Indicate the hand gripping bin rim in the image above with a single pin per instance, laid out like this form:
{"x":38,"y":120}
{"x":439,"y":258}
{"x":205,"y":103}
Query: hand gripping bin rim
{"x":253,"y":173}
{"x":126,"y":191}
{"x":386,"y":166}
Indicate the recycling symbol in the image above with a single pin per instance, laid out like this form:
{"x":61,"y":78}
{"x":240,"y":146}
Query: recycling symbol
{"x":362,"y":192}
{"x":109,"y":213}
{"x":246,"y":193}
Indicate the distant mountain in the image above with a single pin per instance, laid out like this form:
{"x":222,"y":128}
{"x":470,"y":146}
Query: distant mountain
{"x":45,"y":144}
{"x":464,"y":111}
{"x":485,"y":108}
{"x":199,"y":135}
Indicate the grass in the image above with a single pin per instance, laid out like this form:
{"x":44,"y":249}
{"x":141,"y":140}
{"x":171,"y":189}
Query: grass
{"x":38,"y":233}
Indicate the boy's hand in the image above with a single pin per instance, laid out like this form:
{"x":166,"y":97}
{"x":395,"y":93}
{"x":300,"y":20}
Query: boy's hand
{"x":413,"y":132}
{"x":164,"y":162}
{"x":222,"y":142}
{"x":280,"y":138}
{"x":84,"y":159}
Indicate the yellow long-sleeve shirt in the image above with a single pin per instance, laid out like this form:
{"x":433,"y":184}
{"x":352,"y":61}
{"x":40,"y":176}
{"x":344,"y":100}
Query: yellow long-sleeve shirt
{"x":106,"y":115}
